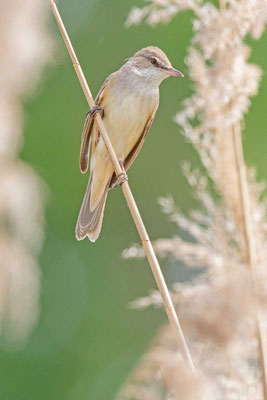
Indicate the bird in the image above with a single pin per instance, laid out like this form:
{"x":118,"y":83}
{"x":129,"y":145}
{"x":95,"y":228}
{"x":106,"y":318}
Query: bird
{"x":127,"y":102}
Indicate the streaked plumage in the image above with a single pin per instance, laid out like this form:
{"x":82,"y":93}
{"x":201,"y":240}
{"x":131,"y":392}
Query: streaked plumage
{"x":129,"y":99}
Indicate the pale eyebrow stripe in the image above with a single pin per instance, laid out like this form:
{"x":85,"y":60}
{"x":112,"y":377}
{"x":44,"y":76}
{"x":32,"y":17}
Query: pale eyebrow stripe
{"x":149,"y":56}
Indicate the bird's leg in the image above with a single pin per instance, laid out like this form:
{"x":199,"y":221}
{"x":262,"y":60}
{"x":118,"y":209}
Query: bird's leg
{"x":94,"y":110}
{"x":121,"y":178}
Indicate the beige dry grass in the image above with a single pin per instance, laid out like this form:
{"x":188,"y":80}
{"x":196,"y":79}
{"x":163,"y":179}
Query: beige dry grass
{"x":223,"y":310}
{"x":25,"y":48}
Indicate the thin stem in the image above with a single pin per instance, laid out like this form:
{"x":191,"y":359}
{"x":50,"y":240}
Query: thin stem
{"x":250,"y":245}
{"x":152,"y":259}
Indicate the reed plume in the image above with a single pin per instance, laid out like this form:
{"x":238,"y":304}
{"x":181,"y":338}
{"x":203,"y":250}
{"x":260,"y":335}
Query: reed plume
{"x":25,"y":48}
{"x":222,"y":309}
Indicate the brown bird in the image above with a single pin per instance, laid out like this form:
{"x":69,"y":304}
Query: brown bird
{"x":127,"y":101}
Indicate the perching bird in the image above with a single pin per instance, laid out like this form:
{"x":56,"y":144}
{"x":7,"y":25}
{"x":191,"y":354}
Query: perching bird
{"x":127,"y":101}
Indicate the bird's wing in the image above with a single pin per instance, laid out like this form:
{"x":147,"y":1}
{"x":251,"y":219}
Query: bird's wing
{"x":88,"y":127}
{"x":86,"y":140}
{"x":137,"y":147}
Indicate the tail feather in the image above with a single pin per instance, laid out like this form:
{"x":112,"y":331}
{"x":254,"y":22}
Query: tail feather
{"x":90,"y":221}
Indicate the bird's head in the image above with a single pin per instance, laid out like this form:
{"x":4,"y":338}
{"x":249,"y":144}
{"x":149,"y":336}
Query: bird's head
{"x":152,"y":64}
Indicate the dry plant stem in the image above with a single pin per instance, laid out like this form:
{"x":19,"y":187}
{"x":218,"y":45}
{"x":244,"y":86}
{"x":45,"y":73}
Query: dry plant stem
{"x":250,"y":244}
{"x":250,"y":255}
{"x":171,"y":313}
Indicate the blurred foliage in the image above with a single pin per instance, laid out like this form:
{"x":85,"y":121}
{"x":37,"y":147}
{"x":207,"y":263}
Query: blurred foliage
{"x":87,"y":340}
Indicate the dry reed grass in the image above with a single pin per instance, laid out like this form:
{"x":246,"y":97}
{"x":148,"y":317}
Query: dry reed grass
{"x":24,"y":50}
{"x":223,"y":309}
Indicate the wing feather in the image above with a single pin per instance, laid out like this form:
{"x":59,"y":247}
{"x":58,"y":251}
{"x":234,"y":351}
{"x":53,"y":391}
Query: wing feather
{"x":137,"y":147}
{"x":88,"y":128}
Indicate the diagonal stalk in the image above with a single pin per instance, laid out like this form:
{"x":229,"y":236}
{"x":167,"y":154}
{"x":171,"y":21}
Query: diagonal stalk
{"x":152,"y":259}
{"x":251,"y":256}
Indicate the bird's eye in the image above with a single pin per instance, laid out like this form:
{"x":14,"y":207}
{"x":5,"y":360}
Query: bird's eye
{"x":154,"y":61}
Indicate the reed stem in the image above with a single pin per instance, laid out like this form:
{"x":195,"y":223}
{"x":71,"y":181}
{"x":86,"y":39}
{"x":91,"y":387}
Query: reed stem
{"x":251,"y":255}
{"x":152,"y":259}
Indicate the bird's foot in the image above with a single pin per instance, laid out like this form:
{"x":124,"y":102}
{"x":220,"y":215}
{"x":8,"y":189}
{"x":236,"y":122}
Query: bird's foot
{"x":121,"y":178}
{"x":95,"y":110}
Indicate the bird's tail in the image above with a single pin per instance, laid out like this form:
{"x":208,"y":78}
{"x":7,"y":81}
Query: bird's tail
{"x":90,"y":221}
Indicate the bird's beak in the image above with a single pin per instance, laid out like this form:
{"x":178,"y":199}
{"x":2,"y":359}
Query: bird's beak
{"x":175,"y":72}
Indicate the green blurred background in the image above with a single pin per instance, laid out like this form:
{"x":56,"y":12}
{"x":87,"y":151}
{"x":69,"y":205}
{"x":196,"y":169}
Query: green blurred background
{"x":87,"y":340}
